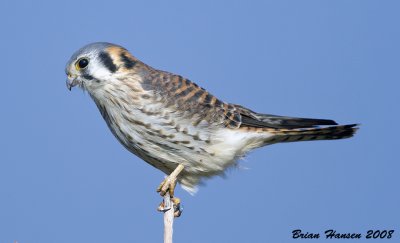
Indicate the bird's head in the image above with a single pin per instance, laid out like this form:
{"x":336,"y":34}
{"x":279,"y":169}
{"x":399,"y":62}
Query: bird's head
{"x":97,"y":64}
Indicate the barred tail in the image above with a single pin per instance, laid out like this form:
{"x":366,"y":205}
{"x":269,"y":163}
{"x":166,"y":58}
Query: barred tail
{"x":311,"y":134}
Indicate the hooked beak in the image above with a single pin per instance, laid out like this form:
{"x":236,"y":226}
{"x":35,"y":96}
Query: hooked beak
{"x":71,"y":82}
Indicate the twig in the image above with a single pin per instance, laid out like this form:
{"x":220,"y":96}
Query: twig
{"x":168,"y":209}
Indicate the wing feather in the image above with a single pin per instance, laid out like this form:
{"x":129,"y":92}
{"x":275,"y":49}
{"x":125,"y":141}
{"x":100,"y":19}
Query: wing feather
{"x":188,"y":97}
{"x":254,"y":119}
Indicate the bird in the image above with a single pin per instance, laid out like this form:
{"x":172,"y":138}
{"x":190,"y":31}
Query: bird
{"x":174,"y":124}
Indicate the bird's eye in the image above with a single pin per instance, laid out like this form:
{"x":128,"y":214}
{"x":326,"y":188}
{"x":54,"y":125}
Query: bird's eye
{"x":82,"y":63}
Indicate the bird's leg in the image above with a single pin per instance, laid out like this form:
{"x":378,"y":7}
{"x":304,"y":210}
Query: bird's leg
{"x":169,"y":182}
{"x":168,"y":185}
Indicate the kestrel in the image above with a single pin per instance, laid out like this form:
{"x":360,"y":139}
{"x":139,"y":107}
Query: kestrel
{"x":175,"y":125}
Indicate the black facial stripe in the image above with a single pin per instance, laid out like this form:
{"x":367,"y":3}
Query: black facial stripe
{"x":107,"y":62}
{"x":128,"y":63}
{"x":88,"y":76}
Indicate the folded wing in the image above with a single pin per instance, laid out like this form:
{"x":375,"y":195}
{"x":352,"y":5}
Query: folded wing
{"x":254,"y":119}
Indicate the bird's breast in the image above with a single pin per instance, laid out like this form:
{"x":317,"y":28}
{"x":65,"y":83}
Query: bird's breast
{"x":164,"y":135}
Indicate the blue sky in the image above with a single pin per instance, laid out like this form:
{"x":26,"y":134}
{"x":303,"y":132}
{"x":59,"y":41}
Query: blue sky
{"x":64,"y":178}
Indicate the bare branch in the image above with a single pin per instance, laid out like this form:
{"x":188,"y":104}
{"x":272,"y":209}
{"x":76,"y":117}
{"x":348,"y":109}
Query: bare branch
{"x":168,"y":208}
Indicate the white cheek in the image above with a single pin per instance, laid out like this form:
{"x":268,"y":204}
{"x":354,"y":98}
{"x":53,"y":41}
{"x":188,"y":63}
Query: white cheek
{"x":98,"y":71}
{"x":102,"y":76}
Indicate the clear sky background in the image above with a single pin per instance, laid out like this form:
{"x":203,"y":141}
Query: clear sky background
{"x":64,"y":178}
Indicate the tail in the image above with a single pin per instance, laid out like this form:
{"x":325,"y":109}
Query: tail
{"x":311,"y":134}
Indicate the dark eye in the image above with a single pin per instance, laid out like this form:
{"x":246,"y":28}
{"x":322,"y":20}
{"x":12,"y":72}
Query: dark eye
{"x":82,"y":63}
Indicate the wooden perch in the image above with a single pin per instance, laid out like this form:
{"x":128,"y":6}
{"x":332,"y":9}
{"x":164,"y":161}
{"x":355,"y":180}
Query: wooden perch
{"x":168,"y":208}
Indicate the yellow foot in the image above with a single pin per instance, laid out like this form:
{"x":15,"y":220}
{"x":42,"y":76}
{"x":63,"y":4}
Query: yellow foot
{"x":169,"y":182}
